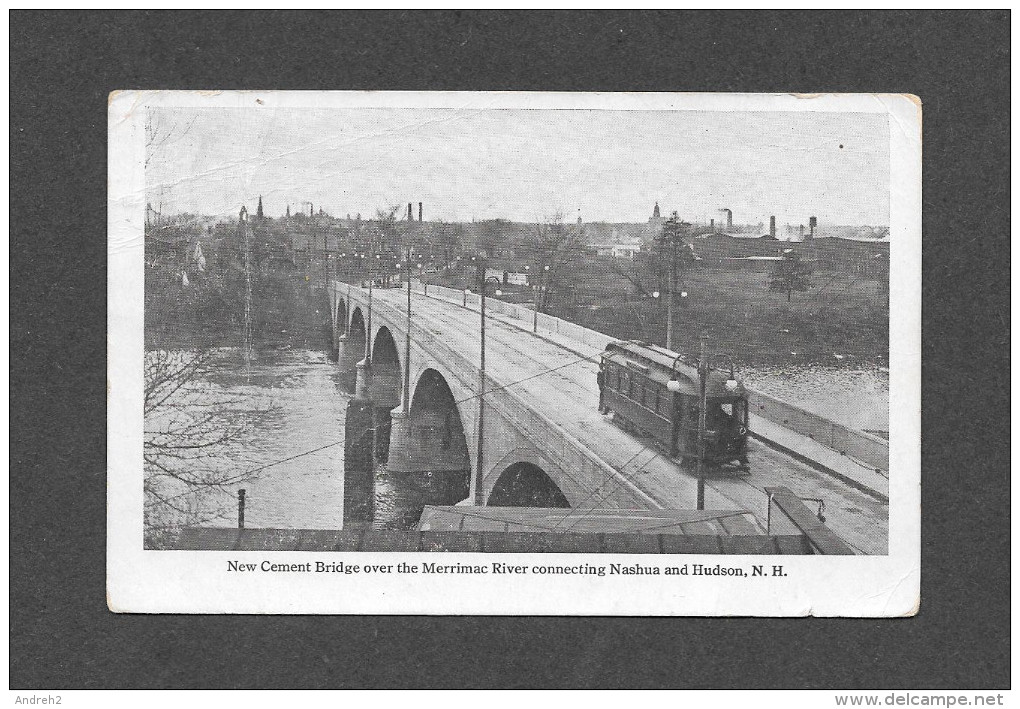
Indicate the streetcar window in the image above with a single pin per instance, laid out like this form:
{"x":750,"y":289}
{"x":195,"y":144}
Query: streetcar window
{"x":728,"y":408}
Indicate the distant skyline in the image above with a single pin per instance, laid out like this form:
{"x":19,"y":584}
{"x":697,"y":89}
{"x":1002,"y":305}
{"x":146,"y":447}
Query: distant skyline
{"x":523,"y":165}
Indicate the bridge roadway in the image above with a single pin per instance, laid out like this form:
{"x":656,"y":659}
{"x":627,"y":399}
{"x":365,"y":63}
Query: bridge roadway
{"x":557,"y":376}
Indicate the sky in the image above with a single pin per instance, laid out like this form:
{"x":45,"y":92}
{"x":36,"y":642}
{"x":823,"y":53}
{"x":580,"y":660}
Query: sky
{"x":522,"y":165}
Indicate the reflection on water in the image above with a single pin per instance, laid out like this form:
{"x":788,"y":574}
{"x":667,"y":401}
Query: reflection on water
{"x":318,"y":457}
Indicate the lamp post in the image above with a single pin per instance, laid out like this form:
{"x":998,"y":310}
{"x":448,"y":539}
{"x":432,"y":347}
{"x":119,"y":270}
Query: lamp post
{"x":672,"y":234}
{"x":673,"y":385}
{"x":407,"y":338}
{"x":479,"y":453}
{"x":368,"y":328}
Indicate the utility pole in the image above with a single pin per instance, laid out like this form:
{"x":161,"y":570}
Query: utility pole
{"x":672,"y":231}
{"x":407,"y":337}
{"x":671,"y":307}
{"x":479,"y":467}
{"x":248,"y":335}
{"x":325,"y":262}
{"x":703,"y":371}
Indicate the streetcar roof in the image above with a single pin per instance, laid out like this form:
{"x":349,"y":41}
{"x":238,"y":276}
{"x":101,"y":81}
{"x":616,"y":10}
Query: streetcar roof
{"x":656,"y":363}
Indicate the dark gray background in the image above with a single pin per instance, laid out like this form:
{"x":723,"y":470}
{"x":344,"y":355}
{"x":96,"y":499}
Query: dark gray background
{"x":63,"y":65}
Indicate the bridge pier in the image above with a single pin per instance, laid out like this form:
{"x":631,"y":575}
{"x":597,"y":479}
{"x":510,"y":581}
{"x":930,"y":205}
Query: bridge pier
{"x":400,"y":459}
{"x":348,"y":353}
{"x":425,"y":442}
{"x":363,"y":383}
{"x":359,"y":466}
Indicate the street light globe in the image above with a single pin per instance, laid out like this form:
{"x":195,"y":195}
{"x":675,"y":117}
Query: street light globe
{"x":655,"y":294}
{"x":683,"y":294}
{"x":499,"y":292}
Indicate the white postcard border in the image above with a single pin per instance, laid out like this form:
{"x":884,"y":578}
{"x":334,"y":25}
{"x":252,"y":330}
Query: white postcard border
{"x":197,"y":582}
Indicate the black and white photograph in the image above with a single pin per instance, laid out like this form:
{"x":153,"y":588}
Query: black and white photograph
{"x":562,"y":337}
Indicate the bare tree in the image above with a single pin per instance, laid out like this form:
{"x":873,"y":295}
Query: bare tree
{"x":554,"y":247}
{"x":160,"y":132}
{"x":192,"y":431}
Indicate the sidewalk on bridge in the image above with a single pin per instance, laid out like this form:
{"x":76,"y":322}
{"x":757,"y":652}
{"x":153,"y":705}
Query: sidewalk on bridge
{"x":821,"y":457}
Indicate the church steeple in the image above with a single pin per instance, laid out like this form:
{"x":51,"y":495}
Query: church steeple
{"x":258,"y":212}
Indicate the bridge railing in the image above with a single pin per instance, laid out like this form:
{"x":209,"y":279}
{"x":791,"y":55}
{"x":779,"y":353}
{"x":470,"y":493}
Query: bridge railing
{"x":867,"y":447}
{"x":545,"y":323}
{"x":605,"y":485}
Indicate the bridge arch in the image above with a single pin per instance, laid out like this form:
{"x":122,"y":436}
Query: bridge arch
{"x":342,"y":317}
{"x":430,"y":439}
{"x":356,"y":335}
{"x":524,"y":484}
{"x":387,"y":372}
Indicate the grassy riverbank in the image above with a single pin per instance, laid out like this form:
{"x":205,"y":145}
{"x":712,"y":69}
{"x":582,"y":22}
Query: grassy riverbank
{"x":842,"y":320}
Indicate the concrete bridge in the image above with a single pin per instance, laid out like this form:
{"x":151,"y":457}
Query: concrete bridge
{"x":425,"y":371}
{"x":543,"y":440}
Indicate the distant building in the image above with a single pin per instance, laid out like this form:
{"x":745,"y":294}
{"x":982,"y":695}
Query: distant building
{"x":625,"y":250}
{"x":655,"y":221}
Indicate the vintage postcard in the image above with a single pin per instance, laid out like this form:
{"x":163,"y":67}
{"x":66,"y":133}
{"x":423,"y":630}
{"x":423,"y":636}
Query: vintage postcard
{"x":514,"y":353}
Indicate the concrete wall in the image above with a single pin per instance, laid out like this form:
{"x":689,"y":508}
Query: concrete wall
{"x":857,"y":444}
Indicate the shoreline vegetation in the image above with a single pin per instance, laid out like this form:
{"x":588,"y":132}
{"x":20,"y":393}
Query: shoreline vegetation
{"x":729,"y":289}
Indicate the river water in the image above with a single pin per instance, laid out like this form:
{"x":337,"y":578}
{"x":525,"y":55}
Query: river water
{"x":287,"y":411}
{"x":858,"y":398}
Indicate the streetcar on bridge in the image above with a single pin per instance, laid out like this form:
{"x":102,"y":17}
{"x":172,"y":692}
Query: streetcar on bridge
{"x":652,"y":392}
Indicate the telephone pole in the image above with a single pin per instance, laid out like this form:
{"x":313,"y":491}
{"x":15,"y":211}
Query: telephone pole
{"x":672,"y":234}
{"x":703,"y":372}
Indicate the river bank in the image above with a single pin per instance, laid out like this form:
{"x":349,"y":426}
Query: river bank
{"x":208,"y":311}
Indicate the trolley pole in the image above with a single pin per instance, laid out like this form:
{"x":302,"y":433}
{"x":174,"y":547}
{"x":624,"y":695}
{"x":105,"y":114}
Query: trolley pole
{"x":703,"y":370}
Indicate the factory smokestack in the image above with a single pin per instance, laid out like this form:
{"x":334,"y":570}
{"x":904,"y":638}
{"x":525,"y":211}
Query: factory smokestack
{"x":729,"y":217}
{"x":712,"y":225}
{"x":410,"y":213}
{"x":813,"y":224}
{"x":419,"y":211}
{"x":772,"y":227}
